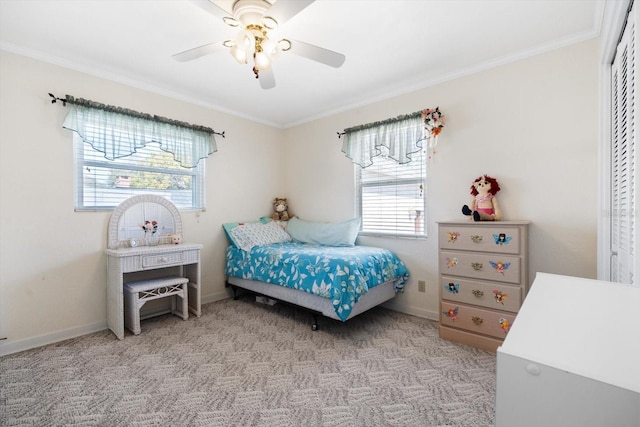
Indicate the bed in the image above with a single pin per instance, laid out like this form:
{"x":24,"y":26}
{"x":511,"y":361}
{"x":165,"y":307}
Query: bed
{"x":338,"y":281}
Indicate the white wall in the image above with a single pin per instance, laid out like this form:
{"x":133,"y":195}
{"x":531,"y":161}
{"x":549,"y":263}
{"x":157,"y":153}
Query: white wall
{"x":52,"y":262}
{"x":532,"y":124}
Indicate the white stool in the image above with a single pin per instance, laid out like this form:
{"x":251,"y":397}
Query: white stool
{"x":136,"y":294}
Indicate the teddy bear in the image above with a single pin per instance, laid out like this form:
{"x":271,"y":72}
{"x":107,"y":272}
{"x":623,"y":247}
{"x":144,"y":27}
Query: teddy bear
{"x":280,"y":209}
{"x":484,"y":204}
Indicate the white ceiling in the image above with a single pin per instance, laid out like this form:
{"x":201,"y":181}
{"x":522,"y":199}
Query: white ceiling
{"x":391,"y":46}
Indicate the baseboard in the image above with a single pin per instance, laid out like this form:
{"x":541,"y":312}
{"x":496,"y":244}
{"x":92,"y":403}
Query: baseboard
{"x":414,"y":311}
{"x":214,"y":297}
{"x":9,"y":347}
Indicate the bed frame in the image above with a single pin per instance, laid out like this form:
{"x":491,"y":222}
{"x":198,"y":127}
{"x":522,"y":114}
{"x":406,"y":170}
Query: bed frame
{"x":315,"y":304}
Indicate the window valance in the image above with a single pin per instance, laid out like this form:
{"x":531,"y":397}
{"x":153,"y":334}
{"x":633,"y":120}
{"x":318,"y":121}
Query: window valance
{"x":119,"y":132}
{"x":398,"y":138}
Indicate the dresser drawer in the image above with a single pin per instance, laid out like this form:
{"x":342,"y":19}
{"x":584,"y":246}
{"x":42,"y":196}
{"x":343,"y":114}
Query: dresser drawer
{"x":162,"y":260}
{"x":494,"y":267}
{"x":485,"y":294}
{"x":474,"y":319}
{"x":498,"y":239}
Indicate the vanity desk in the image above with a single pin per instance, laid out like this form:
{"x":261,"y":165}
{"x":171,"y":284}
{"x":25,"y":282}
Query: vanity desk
{"x":132,"y":257}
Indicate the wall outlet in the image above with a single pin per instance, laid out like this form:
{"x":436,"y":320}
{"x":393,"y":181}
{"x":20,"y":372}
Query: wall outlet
{"x":421,"y":286}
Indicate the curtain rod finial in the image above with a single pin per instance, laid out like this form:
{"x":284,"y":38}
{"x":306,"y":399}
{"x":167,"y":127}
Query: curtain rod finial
{"x":56,"y":99}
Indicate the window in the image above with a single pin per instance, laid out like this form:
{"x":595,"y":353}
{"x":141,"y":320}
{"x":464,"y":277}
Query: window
{"x":390,"y":196}
{"x":120,"y":153}
{"x":102,"y":184}
{"x":390,"y":162}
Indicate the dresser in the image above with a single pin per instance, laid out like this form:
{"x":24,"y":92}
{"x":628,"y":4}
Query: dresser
{"x":483,"y":278}
{"x":572,"y":358}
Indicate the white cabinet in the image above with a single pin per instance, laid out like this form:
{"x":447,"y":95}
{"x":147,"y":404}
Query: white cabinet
{"x":483,"y":280}
{"x":572,"y":357}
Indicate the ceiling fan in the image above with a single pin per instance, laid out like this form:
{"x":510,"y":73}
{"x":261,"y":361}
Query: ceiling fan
{"x":255,"y":19}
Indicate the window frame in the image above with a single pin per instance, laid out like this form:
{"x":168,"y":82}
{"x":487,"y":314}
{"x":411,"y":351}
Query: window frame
{"x":395,"y":182}
{"x":197,"y":181}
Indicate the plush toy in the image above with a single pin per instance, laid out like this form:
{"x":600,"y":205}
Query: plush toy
{"x":176,"y":239}
{"x":280,"y":211}
{"x":484,"y":204}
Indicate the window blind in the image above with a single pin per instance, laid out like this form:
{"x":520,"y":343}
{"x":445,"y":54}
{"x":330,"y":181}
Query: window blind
{"x":391,"y":196}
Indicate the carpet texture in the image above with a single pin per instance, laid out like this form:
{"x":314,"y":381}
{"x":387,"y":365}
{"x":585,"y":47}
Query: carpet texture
{"x":248,"y":364}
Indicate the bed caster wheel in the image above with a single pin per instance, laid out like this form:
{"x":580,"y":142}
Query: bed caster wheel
{"x":314,"y":327}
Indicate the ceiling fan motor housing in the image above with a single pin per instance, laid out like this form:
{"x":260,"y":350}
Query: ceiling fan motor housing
{"x":249,"y":12}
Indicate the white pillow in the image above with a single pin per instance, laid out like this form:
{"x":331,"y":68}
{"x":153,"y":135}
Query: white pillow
{"x":246,"y":236}
{"x":324,"y":233}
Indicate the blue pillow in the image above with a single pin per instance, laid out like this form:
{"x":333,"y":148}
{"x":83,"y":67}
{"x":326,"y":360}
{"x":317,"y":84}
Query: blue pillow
{"x":324,"y":233}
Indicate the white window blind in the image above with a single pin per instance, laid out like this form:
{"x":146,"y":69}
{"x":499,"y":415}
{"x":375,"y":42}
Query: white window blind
{"x":391,"y":196}
{"x":624,"y":159}
{"x":102,"y":184}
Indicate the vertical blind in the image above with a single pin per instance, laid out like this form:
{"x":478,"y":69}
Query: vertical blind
{"x":624,"y":159}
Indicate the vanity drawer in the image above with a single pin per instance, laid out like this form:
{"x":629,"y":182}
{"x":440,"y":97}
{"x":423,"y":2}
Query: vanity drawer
{"x":486,"y":294}
{"x":474,"y":319}
{"x":498,"y":239}
{"x":493,"y":267}
{"x":162,"y":260}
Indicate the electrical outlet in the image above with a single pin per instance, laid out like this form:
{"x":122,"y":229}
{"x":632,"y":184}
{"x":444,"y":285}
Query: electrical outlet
{"x":421,"y":286}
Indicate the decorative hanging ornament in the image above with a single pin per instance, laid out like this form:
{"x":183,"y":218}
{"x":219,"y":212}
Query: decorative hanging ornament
{"x":433,"y":123}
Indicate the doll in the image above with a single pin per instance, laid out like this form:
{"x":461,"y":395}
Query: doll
{"x":484,"y":204}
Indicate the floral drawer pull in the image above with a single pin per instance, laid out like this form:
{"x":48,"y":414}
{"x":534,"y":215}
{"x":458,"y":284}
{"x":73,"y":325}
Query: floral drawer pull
{"x":477,"y":293}
{"x":476,"y":238}
{"x":476,"y":266}
{"x":477,"y":320}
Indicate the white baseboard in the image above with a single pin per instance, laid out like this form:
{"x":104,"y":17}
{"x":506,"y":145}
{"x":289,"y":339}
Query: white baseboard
{"x":414,"y":311}
{"x":9,"y":347}
{"x":214,"y":297}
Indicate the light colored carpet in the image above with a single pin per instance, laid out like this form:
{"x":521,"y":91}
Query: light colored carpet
{"x":248,"y":364}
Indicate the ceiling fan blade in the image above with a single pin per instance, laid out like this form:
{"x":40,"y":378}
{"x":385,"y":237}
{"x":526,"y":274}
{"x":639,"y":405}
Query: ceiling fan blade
{"x":317,"y":53}
{"x":211,"y":8}
{"x":267,"y":79}
{"x":197,"y":52}
{"x":283,"y":10}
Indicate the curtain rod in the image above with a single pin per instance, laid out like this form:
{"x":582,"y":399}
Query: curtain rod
{"x":68,"y":99}
{"x":380,"y":123}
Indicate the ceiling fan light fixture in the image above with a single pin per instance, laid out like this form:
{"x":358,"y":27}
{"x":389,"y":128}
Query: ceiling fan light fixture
{"x":262,"y":61}
{"x":239,"y":54}
{"x":246,"y":41}
{"x":271,"y":48}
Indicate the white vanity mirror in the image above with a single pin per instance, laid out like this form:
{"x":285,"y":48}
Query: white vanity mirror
{"x":143,"y":220}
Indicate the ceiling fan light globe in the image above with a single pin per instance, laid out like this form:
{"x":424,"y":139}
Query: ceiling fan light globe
{"x":271,"y":48}
{"x":263,"y":62}
{"x":245,"y":40}
{"x":239,"y":54}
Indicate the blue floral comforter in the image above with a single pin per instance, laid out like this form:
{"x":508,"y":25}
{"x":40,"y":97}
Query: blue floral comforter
{"x":342,"y":274}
